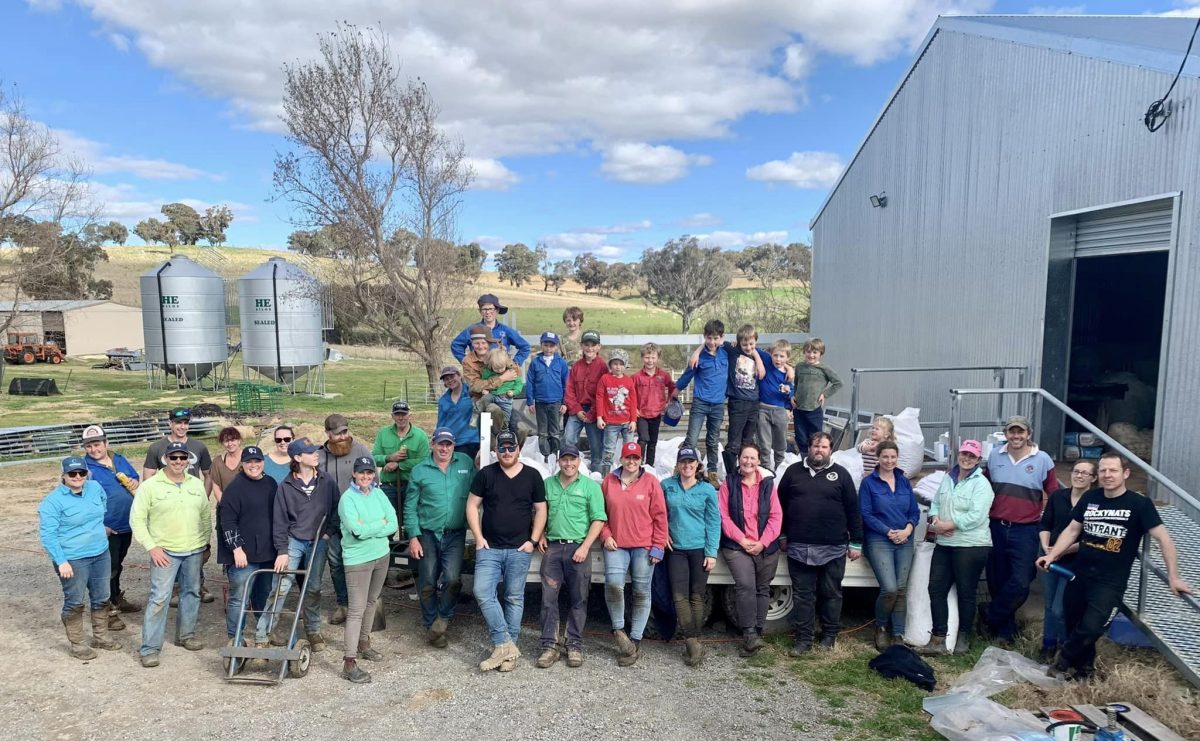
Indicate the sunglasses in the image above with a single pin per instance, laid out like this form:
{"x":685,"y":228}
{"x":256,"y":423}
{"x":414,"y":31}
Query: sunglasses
{"x":177,"y":457}
{"x":506,"y":448}
{"x":76,"y":474}
{"x":283,"y":439}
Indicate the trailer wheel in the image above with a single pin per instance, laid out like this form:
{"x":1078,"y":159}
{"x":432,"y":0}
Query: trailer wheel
{"x":779,"y":609}
{"x":297,"y":669}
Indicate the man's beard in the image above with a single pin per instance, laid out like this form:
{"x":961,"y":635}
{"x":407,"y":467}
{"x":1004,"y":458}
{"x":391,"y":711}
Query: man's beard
{"x":817,"y":461}
{"x":340,"y":447}
{"x":516,"y":459}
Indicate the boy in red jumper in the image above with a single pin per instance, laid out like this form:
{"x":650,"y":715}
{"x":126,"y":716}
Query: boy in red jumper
{"x":616,"y":406}
{"x":581,"y":396}
{"x":654,"y":388}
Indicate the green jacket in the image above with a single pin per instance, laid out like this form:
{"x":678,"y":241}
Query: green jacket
{"x":388,"y":442}
{"x":368,"y":520}
{"x":966,"y":503}
{"x":812,"y":381}
{"x":436,"y":502}
{"x":571,"y":511}
{"x":173,"y":517}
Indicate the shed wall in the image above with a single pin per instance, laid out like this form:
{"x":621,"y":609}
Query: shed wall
{"x":94,"y":329}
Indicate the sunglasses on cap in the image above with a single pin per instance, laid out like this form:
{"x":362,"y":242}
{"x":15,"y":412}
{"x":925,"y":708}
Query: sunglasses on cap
{"x":283,"y":439}
{"x":74,"y":474}
{"x":506,"y":448}
{"x":177,"y":457}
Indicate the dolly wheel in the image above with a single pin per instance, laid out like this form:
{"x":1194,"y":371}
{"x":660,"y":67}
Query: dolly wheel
{"x":298,"y":668}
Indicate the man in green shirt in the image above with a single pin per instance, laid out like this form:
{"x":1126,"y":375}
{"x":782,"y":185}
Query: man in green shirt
{"x":575,"y":514}
{"x":435,"y":520}
{"x":399,"y":447}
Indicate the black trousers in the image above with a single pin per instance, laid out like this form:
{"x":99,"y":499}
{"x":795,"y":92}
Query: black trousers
{"x":1088,"y":608}
{"x":647,"y":435}
{"x":816,"y":594}
{"x":959,"y":567}
{"x":118,"y":548}
{"x":689,"y":582}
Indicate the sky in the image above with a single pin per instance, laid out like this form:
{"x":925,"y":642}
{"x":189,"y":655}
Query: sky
{"x":608,"y":126}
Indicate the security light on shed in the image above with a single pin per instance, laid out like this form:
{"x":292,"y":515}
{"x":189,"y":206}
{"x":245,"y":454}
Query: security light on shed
{"x":879,"y":201}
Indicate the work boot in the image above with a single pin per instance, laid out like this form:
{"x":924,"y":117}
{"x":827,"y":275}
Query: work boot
{"x":316,"y":641}
{"x":351,"y":671}
{"x":338,"y":617}
{"x":574,"y":658}
{"x":549,"y":657}
{"x":436,"y":636}
{"x":963,"y":643}
{"x":278,"y":637}
{"x":257,"y":664}
{"x":713,"y":478}
{"x":150,"y":660}
{"x":800,"y":648}
{"x":114,"y":618}
{"x":752,"y":643}
{"x":100,"y":637}
{"x":125,"y":605}
{"x":827,"y":642}
{"x":631,"y":659}
{"x":205,"y":595}
{"x":693,"y":651}
{"x":883,"y":639}
{"x":507,"y":665}
{"x":1046,"y":655}
{"x":935,"y":647}
{"x":500,"y":654}
{"x":73,"y":622}
{"x":400,"y":579}
{"x":191,"y":644}
{"x":366,"y":652}
{"x":625,"y":646}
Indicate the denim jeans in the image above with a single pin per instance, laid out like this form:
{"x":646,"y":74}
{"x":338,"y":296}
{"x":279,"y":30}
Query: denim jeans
{"x":805,"y":423}
{"x":712,"y":413}
{"x":337,"y":572}
{"x":595,"y":440}
{"x":301,"y":554}
{"x":1011,"y":568}
{"x":259,"y":593}
{"x":439,"y":574}
{"x":162,"y":578}
{"x":492,"y":566}
{"x":614,"y":437}
{"x":635,"y":562}
{"x":559,"y":570}
{"x":891,"y":564}
{"x":1054,"y":629}
{"x":91,"y":574}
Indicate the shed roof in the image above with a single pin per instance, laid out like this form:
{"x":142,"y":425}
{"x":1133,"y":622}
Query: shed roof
{"x":52,"y":305}
{"x":1152,"y":42}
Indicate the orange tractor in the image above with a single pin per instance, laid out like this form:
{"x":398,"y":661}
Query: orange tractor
{"x":28,"y":349}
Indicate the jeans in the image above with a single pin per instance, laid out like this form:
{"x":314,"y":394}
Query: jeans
{"x":301,"y":554}
{"x":154,"y":624}
{"x":364,"y":582}
{"x":492,"y":566}
{"x":647,"y":436}
{"x":1011,"y":567}
{"x":260,"y":592}
{"x":712,"y":413}
{"x":439,"y":574}
{"x":549,"y":426}
{"x":337,"y":572}
{"x":891,"y":564}
{"x":689,"y":582}
{"x":1088,"y":606}
{"x":1054,"y":626}
{"x":958,"y":567}
{"x":817,"y":592}
{"x":772,"y":434}
{"x":743,"y":422}
{"x":595,"y":440}
{"x":91,"y":574}
{"x":635,"y":562}
{"x":559,"y":570}
{"x":752,"y":577}
{"x":805,"y":423}
{"x":614,"y":437}
{"x":118,"y":548}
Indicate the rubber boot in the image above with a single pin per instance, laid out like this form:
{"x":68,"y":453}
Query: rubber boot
{"x":100,"y":637}
{"x":73,"y":622}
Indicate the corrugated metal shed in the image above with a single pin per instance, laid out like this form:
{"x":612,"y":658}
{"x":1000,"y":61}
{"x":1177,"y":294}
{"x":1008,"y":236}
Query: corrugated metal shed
{"x":1000,"y":124}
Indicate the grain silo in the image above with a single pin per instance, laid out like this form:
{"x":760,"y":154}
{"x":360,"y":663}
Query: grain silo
{"x":281,"y":321}
{"x":183,"y":320}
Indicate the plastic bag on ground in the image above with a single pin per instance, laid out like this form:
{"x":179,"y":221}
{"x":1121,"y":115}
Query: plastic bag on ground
{"x":918,"y":624}
{"x":909,"y":439}
{"x":852,"y":461}
{"x":998,"y":669}
{"x":970,"y":718}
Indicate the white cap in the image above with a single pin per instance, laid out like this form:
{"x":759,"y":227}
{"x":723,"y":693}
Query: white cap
{"x":92,"y":433}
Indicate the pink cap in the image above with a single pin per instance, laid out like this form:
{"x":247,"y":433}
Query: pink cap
{"x":971,"y":446}
{"x":629,"y":449}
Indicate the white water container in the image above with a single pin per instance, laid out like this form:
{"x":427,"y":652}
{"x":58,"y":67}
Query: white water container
{"x":991,"y":441}
{"x":941,"y":448}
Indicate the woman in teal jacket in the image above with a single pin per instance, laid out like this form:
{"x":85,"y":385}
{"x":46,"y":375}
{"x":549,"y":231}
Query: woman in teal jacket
{"x":959,"y":519}
{"x":694,"y":527}
{"x":368,"y":522}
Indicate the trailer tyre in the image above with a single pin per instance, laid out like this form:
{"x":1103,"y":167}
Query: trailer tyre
{"x":297,"y":669}
{"x":779,"y":608}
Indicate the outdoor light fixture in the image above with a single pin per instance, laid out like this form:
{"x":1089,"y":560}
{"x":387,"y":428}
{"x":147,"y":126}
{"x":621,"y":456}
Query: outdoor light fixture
{"x":879,"y":201}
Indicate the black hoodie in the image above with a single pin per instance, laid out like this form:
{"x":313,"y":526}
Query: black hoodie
{"x":244,"y":519}
{"x":298,"y":513}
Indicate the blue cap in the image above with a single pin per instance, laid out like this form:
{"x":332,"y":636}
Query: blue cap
{"x":443,"y":435}
{"x":300,"y":446}
{"x":687,"y":454}
{"x":74,"y":463}
{"x":550,"y":337}
{"x":251,"y":453}
{"x":568,"y":450}
{"x":364,"y":463}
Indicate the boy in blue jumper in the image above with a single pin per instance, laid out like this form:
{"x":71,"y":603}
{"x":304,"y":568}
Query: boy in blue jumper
{"x":545,"y":388}
{"x":744,"y":370}
{"x":711,"y":372}
{"x":774,"y":401}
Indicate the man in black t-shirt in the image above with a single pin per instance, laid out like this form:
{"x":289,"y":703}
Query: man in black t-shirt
{"x":510,"y":499}
{"x":1109,"y":523}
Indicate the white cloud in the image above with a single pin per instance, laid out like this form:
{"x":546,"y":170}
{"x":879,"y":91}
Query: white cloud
{"x":119,"y":41}
{"x":638,"y":162}
{"x":626,"y":228}
{"x":1187,"y":11}
{"x":1057,"y":10}
{"x":535,"y":77}
{"x":125,"y":203}
{"x":742,"y":239}
{"x":491,"y":174}
{"x":698,"y":221}
{"x":802,"y":169}
{"x":569,"y":244}
{"x":95,"y":155}
{"x":609,"y":252}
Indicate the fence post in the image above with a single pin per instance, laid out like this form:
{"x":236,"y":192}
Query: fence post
{"x":852,"y":423}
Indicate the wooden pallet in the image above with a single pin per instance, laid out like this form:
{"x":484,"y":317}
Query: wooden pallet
{"x":1137,"y":724}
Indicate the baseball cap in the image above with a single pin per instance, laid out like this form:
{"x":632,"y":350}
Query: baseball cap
{"x":590,"y":336}
{"x":251,"y":453}
{"x":443,"y":435}
{"x":550,"y":337}
{"x":364,"y":463}
{"x":400,"y":406}
{"x":300,"y":446}
{"x":449,"y":370}
{"x":687,"y":454}
{"x":568,"y":450}
{"x":175,"y":448}
{"x":179,"y":413}
{"x":631,"y":448}
{"x":336,"y":423}
{"x":73,"y":463}
{"x":91,"y":433}
{"x":506,"y":438}
{"x":971,"y":446}
{"x":490,"y":298}
{"x":618,"y":354}
{"x":1017,"y":420}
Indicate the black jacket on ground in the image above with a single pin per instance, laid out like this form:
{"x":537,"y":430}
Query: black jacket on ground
{"x":244,"y":519}
{"x":820,"y":509}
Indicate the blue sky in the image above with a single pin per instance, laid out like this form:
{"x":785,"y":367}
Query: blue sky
{"x":604,"y":126}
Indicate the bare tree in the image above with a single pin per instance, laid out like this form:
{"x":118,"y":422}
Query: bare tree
{"x":369,"y":161}
{"x":683,"y":276}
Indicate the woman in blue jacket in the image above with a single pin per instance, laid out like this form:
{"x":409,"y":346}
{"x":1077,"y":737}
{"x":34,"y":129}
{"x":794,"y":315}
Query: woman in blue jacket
{"x":694,"y":534}
{"x":71,"y":528}
{"x":890,"y":515}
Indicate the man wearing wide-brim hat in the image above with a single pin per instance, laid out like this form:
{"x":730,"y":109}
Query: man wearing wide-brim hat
{"x":507,"y":337}
{"x":120,"y":481}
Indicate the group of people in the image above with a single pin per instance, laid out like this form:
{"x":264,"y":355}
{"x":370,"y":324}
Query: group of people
{"x":302,"y":505}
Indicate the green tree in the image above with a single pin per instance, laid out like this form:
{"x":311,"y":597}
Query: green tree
{"x":682,"y":277}
{"x":590,"y":271}
{"x":185,"y":221}
{"x":561,"y":274}
{"x":61,"y":264}
{"x":770,"y":264}
{"x":214,"y":222}
{"x":516,"y":264}
{"x":618,"y":277}
{"x":469,"y":263}
{"x":153,"y":231}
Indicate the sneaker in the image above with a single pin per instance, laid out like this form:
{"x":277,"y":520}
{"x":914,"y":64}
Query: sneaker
{"x":355,"y":674}
{"x":338,"y":617}
{"x":500,"y":654}
{"x":574,"y":658}
{"x":316,"y":641}
{"x":625,"y":646}
{"x":548,"y":658}
{"x":191,"y":644}
{"x":631,"y":659}
{"x":150,"y":660}
{"x":800,"y":648}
